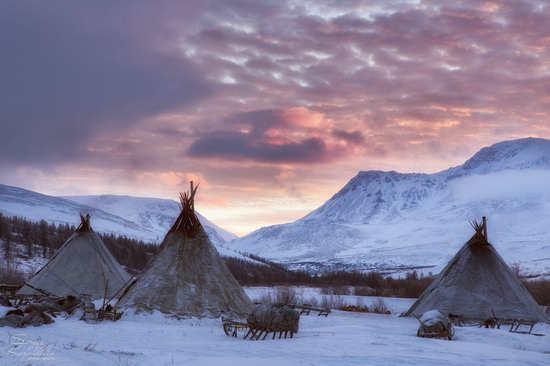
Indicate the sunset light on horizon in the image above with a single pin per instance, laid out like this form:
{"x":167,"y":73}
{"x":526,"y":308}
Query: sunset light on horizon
{"x":271,"y":106}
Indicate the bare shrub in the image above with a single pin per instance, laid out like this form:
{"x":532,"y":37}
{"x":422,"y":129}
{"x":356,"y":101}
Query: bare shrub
{"x":281,"y":295}
{"x":379,"y":306}
{"x":286,"y":295}
{"x":266,"y":298}
{"x":311,"y":301}
{"x":332,"y":301}
{"x":359,"y":302}
{"x":11,"y":274}
{"x":516,"y":269}
{"x":363,"y":291}
{"x":540,"y":290}
{"x":338,"y":301}
{"x":325,"y":302}
{"x":335,"y":290}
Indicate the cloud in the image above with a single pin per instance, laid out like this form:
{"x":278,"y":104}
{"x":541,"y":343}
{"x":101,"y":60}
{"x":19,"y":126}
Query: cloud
{"x":353,"y":137}
{"x":238,"y":146}
{"x":519,"y":187}
{"x":72,"y":69}
{"x":293,"y":135}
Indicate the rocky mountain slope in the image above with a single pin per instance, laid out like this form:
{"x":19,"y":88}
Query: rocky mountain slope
{"x":392,"y":221}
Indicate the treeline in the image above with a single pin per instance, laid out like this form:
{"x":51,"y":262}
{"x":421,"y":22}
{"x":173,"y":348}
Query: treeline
{"x":250,"y":273}
{"x":540,"y":289}
{"x":43,"y":239}
{"x":355,"y":283}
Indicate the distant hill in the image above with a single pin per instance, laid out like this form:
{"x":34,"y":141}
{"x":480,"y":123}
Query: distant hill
{"x":146,"y":219}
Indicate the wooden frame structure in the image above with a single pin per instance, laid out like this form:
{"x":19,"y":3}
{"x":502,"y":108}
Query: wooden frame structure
{"x":233,"y":328}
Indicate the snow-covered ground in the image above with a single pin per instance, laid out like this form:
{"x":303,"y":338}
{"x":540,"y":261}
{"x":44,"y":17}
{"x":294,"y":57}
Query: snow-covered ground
{"x":313,"y":295}
{"x":339,"y":339}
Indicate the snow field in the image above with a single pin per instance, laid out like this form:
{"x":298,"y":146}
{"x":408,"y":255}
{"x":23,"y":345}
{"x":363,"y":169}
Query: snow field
{"x":342,"y":338}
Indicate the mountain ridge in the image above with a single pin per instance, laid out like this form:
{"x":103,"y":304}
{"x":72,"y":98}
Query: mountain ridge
{"x":391,"y":219}
{"x":117,"y":218}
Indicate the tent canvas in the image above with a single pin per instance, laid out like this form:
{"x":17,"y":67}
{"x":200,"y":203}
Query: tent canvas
{"x":187,"y":277}
{"x":477,"y":285}
{"x":83,"y":265}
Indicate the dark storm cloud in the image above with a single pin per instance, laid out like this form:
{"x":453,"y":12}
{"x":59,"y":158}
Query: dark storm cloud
{"x":71,"y":69}
{"x":241,"y":146}
{"x":352,"y":137}
{"x":268,"y":136}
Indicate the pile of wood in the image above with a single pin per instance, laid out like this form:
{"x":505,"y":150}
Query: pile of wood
{"x":6,"y":293}
{"x":39,"y":312}
{"x":187,"y":221}
{"x":19,"y":319}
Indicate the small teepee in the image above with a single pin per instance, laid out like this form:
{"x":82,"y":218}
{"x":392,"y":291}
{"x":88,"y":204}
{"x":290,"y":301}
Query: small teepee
{"x":187,"y":277}
{"x":83,"y":265}
{"x":477,"y":285}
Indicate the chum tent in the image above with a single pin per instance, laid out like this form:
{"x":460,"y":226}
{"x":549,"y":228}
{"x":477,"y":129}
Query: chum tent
{"x":83,"y":265}
{"x":477,"y":285}
{"x":187,"y":277}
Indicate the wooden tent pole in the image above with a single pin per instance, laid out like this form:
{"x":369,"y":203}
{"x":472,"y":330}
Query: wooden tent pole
{"x":192,"y":197}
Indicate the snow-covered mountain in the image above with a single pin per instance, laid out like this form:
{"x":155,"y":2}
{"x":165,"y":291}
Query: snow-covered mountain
{"x":153,"y":214}
{"x":145,"y":219}
{"x":389,"y":220}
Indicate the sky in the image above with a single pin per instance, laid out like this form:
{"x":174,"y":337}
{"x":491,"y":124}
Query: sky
{"x":271,"y":105}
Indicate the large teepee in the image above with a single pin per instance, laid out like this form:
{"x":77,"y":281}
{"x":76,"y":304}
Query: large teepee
{"x":477,"y":285}
{"x":187,"y":277}
{"x":83,"y":265}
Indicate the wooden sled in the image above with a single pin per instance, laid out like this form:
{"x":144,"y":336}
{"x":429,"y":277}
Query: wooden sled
{"x":519,"y":326}
{"x":234,"y":329}
{"x":436,"y":331}
{"x":306,"y":309}
{"x":93,"y":316}
{"x":445,"y":334}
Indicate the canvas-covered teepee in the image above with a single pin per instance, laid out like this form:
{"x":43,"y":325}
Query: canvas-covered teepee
{"x":83,"y":265}
{"x":187,"y":277}
{"x":477,"y":285}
